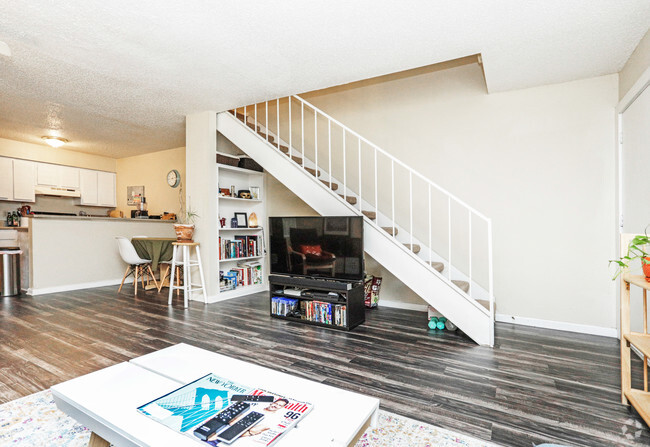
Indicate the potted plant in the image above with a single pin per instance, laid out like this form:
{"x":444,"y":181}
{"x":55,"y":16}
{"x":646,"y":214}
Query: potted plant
{"x":635,"y":250}
{"x":184,"y":227}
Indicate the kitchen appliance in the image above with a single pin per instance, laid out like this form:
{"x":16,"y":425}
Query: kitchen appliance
{"x":57,"y":191}
{"x":139,"y":214}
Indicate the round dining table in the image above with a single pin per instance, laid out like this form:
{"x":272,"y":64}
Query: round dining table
{"x":158,"y":249}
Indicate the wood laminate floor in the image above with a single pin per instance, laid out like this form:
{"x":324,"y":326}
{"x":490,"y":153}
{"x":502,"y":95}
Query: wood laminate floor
{"x":534,"y":386}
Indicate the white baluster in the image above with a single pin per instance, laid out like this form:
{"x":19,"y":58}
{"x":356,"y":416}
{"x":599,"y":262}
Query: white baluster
{"x":359,"y":174}
{"x":376,"y":191}
{"x":411,"y":205}
{"x":392,"y":188}
{"x":329,"y":147}
{"x":266,"y":121}
{"x":469,"y":214}
{"x":302,"y":130}
{"x":277,"y":117}
{"x":429,"y":207}
{"x":449,"y":235}
{"x":345,"y":190}
{"x":290,"y":133}
{"x":316,"y":141}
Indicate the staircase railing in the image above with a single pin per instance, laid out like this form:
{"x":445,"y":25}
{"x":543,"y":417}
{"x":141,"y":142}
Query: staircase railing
{"x":285,"y":122}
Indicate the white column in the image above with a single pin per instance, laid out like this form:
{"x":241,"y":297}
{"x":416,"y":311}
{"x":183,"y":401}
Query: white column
{"x":201,"y":192}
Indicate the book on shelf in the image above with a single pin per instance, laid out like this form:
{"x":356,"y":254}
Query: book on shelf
{"x":316,"y":311}
{"x":244,"y":274}
{"x":239,"y":247}
{"x":190,"y":406}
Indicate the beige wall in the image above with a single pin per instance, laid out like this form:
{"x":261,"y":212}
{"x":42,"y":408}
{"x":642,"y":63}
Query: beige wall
{"x":150,"y":170}
{"x":538,"y":161}
{"x":47,"y":154}
{"x":638,"y":62}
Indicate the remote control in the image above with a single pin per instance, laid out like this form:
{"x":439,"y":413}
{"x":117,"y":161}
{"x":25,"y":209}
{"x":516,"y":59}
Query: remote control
{"x":221,"y":420}
{"x":251,"y":398}
{"x":237,"y":429}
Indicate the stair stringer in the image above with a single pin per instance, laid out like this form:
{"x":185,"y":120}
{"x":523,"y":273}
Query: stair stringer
{"x":463,"y":311}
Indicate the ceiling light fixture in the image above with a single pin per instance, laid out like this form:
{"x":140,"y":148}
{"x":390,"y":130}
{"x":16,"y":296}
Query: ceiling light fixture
{"x":55,"y":141}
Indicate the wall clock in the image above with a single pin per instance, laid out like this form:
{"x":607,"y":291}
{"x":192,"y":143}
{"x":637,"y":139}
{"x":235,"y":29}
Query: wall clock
{"x":173,"y":178}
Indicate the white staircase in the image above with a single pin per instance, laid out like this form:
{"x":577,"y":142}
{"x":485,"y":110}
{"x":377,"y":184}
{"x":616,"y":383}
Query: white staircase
{"x":413,"y":227}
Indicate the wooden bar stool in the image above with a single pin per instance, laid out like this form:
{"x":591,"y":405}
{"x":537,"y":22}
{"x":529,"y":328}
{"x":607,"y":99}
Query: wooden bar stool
{"x":187,"y":262}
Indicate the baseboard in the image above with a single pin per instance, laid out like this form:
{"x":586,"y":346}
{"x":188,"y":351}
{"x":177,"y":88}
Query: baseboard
{"x":558,"y":325}
{"x":401,"y":305}
{"x":78,"y":286}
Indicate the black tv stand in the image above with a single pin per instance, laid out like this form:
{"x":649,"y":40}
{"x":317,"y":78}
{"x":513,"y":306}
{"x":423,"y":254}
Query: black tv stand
{"x":321,"y":302}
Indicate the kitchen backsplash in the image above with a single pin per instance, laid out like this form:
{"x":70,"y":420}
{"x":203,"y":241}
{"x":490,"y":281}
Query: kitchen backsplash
{"x":54,"y":205}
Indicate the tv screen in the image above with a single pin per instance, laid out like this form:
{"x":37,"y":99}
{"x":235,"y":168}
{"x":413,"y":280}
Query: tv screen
{"x":325,"y":247}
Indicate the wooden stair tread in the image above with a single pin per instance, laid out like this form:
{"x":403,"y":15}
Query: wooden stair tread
{"x":462,"y":285}
{"x":390,"y":230}
{"x":640,"y":400}
{"x":437,"y":265}
{"x":350,"y":199}
{"x":370,"y":214}
{"x":284,"y":149}
{"x":641,"y":341}
{"x":313,"y":172}
{"x":271,"y":138}
{"x":296,"y":159}
{"x":415,"y":248}
{"x":334,"y":186}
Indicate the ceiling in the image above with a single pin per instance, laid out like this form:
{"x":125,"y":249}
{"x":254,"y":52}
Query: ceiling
{"x":117,"y":77}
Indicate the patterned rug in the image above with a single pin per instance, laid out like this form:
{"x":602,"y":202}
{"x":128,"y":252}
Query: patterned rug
{"x":34,"y":420}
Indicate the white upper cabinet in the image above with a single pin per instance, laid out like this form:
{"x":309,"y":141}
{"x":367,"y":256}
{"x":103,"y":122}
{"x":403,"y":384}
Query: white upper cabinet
{"x":24,"y":180}
{"x":47,"y":174}
{"x":88,"y":186}
{"x":69,"y":177}
{"x":106,"y":189}
{"x":6,"y":179}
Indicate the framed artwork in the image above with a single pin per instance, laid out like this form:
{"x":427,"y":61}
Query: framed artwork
{"x":255,"y":192}
{"x":336,"y":225}
{"x":242,"y":220}
{"x":134,"y":195}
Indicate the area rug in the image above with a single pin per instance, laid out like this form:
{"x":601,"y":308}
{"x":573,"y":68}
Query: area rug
{"x":34,"y":420}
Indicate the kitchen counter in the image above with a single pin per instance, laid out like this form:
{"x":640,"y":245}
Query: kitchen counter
{"x":112,"y":219}
{"x":15,"y":228}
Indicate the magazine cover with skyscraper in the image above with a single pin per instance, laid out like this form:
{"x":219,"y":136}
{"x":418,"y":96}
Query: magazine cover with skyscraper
{"x":190,"y":405}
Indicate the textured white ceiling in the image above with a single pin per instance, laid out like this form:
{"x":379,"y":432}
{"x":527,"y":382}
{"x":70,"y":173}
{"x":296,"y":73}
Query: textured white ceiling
{"x":117,"y":77}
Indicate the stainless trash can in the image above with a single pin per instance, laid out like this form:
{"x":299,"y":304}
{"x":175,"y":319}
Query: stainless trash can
{"x":10,"y":271}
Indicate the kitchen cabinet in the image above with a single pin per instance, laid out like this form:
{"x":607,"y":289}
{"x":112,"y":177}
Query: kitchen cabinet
{"x":24,"y":180}
{"x":68,"y":177}
{"x":97,"y":188}
{"x":6,"y":179}
{"x":47,"y":174}
{"x":106,"y":189}
{"x":88,"y":186}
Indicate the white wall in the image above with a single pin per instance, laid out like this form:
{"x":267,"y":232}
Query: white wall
{"x":638,"y":62}
{"x":538,"y":161}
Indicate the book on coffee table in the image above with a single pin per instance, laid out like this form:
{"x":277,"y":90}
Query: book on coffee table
{"x":192,"y":405}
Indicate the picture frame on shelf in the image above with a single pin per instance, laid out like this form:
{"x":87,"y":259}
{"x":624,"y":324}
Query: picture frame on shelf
{"x":242,"y":220}
{"x":255,"y":192}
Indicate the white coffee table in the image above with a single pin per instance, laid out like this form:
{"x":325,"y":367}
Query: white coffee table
{"x":106,"y":401}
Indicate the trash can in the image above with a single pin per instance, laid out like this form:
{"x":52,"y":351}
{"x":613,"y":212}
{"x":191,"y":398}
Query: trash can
{"x":10,"y":271}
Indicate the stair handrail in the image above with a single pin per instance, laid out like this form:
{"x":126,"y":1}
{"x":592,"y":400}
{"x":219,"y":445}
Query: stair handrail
{"x":346,"y":130}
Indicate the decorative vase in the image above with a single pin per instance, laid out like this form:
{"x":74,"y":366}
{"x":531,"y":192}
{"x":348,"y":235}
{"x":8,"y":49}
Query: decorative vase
{"x":184,"y":232}
{"x":646,"y":268}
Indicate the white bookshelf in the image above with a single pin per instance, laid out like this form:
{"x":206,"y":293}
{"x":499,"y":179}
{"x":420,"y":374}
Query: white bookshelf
{"x":241,"y":179}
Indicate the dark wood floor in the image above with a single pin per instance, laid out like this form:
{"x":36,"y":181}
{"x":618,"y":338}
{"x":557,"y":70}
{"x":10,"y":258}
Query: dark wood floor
{"x":534,"y":386}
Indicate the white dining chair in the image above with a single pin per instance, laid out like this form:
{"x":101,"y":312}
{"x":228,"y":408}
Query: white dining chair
{"x":137,"y":266}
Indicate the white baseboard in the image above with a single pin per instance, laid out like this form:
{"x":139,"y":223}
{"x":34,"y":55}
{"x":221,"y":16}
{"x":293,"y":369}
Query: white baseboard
{"x":558,"y":325}
{"x":78,"y":286}
{"x":401,"y":305}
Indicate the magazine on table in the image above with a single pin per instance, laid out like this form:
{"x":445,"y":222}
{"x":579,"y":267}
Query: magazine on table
{"x":193,"y":405}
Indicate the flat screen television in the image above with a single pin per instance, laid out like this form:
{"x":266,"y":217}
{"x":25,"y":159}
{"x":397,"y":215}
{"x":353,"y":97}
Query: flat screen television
{"x":317,"y":247}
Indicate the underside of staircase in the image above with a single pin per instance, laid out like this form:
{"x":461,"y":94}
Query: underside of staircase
{"x":326,"y":196}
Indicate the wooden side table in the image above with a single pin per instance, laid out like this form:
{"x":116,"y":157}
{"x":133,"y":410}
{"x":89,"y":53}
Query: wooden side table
{"x":639,"y":399}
